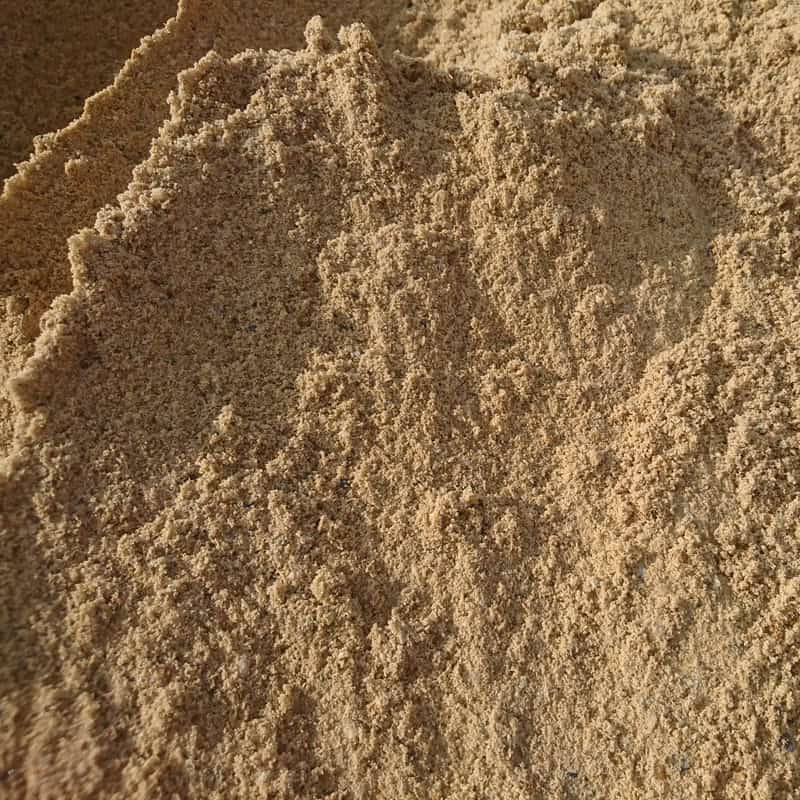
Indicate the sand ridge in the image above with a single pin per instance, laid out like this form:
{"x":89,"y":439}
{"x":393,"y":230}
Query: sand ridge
{"x":415,"y":431}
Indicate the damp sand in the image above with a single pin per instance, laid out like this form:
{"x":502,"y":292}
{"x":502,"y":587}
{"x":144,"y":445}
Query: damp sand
{"x":410,"y":410}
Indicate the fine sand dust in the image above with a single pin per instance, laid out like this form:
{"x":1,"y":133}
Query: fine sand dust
{"x":419,"y":424}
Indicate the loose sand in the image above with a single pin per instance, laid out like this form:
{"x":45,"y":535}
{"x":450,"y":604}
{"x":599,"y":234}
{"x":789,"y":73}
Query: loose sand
{"x":55,"y":53}
{"x":409,"y":424}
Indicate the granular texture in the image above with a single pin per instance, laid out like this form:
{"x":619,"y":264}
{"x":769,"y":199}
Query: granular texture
{"x":57,"y":52}
{"x":423,"y":427}
{"x":76,"y":171}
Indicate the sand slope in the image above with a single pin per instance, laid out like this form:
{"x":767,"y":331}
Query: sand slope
{"x":77,"y":170}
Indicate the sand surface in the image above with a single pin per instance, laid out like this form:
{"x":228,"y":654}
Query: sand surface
{"x":55,"y":53}
{"x":409,"y":409}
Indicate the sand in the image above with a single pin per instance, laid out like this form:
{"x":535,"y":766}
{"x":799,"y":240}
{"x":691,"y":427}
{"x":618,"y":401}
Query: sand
{"x":55,"y":54}
{"x":409,"y":410}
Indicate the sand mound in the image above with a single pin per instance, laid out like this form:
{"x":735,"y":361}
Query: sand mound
{"x":414,"y":430}
{"x":73,"y":173}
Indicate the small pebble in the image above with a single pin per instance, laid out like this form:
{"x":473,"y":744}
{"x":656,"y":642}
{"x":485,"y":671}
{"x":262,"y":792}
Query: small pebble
{"x":243,"y":665}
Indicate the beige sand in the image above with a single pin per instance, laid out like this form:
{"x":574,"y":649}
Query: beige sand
{"x":76,"y":171}
{"x":415,"y":430}
{"x":55,"y":53}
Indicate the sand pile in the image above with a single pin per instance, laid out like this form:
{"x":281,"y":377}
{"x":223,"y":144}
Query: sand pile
{"x":417,"y":413}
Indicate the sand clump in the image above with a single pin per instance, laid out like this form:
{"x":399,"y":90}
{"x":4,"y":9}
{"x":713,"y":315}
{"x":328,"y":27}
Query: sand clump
{"x":411,"y":427}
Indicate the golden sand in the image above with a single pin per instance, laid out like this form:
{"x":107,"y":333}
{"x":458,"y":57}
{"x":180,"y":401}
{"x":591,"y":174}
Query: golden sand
{"x":409,"y":410}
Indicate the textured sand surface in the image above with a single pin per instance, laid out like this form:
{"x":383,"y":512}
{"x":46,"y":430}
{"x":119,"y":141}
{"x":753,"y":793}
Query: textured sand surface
{"x":410,"y":428}
{"x":76,"y":171}
{"x":55,"y":53}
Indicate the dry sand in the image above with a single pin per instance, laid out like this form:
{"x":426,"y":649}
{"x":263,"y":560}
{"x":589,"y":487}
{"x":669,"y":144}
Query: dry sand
{"x":410,"y":425}
{"x":55,"y":53}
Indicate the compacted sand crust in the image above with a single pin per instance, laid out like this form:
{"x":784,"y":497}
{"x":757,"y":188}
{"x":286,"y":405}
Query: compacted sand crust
{"x":411,"y":424}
